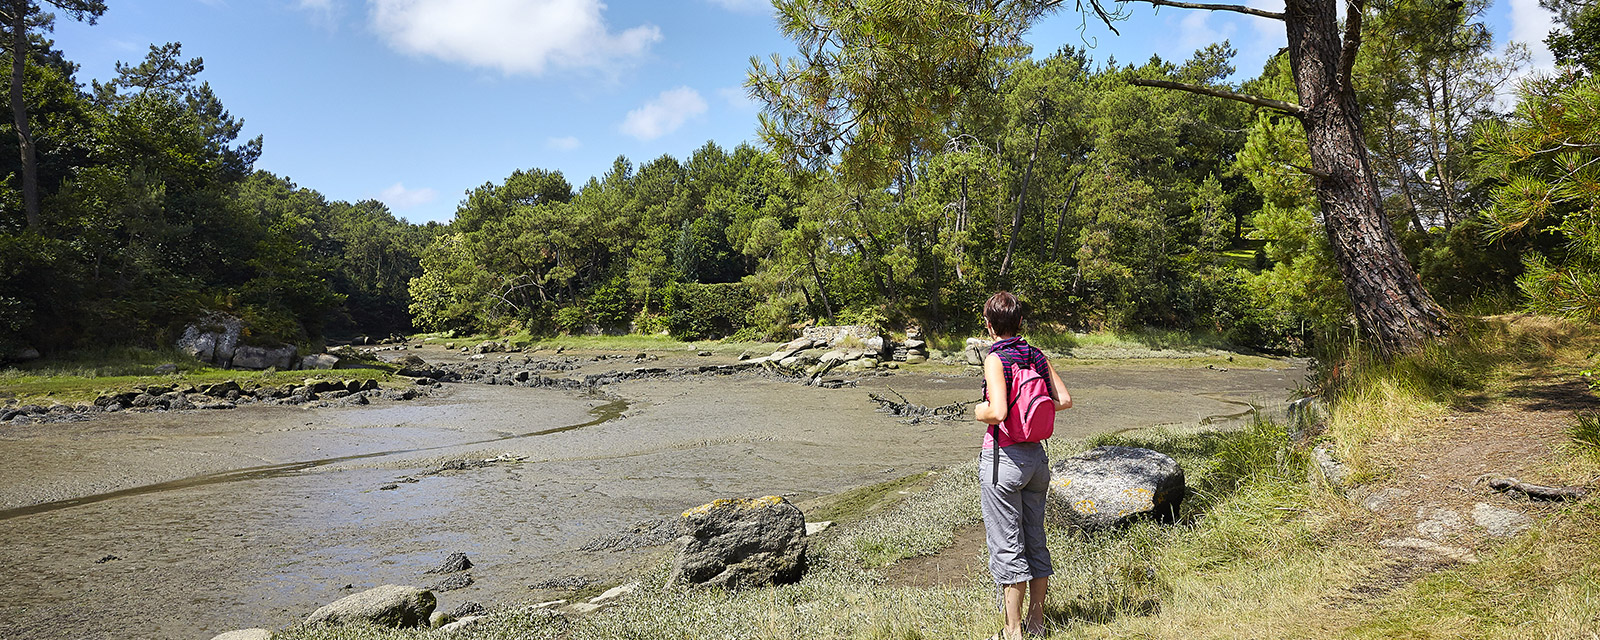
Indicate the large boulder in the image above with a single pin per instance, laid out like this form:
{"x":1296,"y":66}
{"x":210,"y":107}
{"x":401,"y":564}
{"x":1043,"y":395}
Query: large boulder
{"x":977,"y":350}
{"x":386,"y":606}
{"x":1108,"y":487}
{"x":257,"y":358}
{"x":213,"y":339}
{"x":24,"y":354}
{"x":319,"y":361}
{"x":741,"y":543}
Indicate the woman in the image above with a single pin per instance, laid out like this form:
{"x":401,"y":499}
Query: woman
{"x":1013,"y":499}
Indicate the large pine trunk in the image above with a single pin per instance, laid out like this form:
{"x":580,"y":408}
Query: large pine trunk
{"x":19,"y":113}
{"x":1390,"y":305}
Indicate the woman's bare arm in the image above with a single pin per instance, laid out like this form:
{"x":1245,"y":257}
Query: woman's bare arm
{"x":1058,"y":390}
{"x":994,"y":379}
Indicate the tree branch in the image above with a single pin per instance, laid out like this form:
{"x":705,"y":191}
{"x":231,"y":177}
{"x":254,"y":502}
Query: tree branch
{"x":1352,"y":42}
{"x":1259,"y":13}
{"x":1279,"y":105}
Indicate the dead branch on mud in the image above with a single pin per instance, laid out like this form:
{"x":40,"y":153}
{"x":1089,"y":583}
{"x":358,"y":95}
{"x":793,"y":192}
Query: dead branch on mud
{"x":915,"y":413}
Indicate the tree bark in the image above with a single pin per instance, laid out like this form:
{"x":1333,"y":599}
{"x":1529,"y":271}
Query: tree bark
{"x":19,"y":113}
{"x":1022,"y":199}
{"x":1390,"y":305}
{"x":822,"y":289}
{"x":1061,"y":221}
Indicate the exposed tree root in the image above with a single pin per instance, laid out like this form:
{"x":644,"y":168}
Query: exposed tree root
{"x":1536,"y":491}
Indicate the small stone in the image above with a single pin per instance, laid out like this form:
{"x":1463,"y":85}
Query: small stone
{"x":457,"y":581}
{"x":439,"y":619}
{"x":1438,"y":523}
{"x":389,"y":487}
{"x":814,"y":528}
{"x":1380,"y":499}
{"x":457,"y":561}
{"x":1335,"y":472}
{"x":916,"y":359}
{"x":246,"y":634}
{"x":703,"y":353}
{"x":461,"y":624}
{"x":106,"y":559}
{"x":468,"y":609}
{"x":1500,"y":522}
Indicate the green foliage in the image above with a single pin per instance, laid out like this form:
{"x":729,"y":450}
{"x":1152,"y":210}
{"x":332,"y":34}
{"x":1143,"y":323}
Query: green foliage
{"x":1585,"y":432}
{"x":701,"y":311}
{"x":1546,"y":157}
{"x":1577,"y":43}
{"x":571,"y":320}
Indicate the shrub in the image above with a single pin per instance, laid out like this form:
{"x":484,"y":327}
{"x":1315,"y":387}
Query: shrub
{"x":700,"y":311}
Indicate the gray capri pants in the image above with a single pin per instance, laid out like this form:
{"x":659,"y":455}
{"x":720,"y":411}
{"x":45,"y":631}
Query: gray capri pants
{"x":1013,"y":512}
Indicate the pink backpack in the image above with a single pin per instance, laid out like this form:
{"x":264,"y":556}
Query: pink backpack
{"x":1030,"y":412}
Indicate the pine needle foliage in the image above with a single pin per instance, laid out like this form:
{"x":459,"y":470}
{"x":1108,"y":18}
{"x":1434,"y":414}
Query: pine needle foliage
{"x":1546,"y":157}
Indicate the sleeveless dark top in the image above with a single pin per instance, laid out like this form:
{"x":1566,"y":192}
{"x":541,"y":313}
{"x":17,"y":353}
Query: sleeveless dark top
{"x":1016,"y":351}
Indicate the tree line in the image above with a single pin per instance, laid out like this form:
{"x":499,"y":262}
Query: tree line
{"x":901,"y":179}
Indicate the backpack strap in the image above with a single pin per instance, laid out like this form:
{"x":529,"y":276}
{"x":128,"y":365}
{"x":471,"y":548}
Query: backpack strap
{"x":996,"y":452}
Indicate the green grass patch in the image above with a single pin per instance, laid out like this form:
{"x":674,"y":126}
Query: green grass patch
{"x":628,"y":342}
{"x":71,"y":389}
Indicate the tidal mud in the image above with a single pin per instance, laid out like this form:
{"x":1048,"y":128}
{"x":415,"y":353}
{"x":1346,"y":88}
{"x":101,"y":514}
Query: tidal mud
{"x":256,"y":517}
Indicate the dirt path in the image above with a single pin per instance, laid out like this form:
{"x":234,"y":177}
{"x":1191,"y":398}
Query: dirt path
{"x":1432,"y":507}
{"x":189,"y":524}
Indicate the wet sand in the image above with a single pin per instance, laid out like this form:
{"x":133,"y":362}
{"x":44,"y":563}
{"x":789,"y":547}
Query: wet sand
{"x":255,"y":517}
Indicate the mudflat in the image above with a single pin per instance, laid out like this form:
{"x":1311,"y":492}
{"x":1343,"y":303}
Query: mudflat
{"x":187,"y":524}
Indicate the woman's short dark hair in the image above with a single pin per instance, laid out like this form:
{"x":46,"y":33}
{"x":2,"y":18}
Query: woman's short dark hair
{"x":1004,"y":313}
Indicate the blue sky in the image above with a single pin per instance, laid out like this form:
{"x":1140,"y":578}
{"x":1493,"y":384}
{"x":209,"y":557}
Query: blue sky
{"x":414,"y":102}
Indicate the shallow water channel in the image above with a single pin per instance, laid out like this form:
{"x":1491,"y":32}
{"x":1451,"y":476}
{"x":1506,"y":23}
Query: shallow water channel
{"x":184,"y":525}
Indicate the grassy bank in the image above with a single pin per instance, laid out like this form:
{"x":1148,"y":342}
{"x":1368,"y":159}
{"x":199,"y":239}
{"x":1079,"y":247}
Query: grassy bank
{"x":1263,"y":547}
{"x":627,"y":342}
{"x":82,"y":376}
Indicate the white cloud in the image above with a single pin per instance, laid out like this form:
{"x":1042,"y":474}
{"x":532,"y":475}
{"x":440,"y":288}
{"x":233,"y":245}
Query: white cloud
{"x":664,"y":114}
{"x":567,"y":143}
{"x":399,"y":197}
{"x":1270,"y":34}
{"x":738,"y":99}
{"x":514,"y":36}
{"x":322,"y":11}
{"x":1530,"y":25}
{"x":1195,"y":31}
{"x":743,"y":6}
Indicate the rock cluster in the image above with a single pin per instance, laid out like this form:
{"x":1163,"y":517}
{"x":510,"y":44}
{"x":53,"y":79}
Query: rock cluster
{"x":824,"y":349}
{"x":223,"y":395}
{"x":741,"y":543}
{"x":1107,"y":487}
{"x":216,"y":341}
{"x":914,"y":350}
